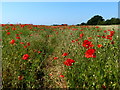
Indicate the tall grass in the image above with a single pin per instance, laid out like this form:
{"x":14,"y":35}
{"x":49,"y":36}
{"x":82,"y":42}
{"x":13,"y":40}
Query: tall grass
{"x":53,"y":41}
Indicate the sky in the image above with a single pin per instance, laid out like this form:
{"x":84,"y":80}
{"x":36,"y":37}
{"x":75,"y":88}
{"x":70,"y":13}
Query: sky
{"x":49,"y":13}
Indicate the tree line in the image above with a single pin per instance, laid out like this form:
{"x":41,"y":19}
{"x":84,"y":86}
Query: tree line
{"x":97,"y":20}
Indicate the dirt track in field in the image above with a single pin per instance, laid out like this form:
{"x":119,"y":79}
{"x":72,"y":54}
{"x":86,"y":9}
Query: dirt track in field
{"x":110,"y":26}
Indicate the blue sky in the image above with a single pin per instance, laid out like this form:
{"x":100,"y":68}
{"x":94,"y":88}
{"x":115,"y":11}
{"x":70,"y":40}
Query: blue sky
{"x":48,"y":13}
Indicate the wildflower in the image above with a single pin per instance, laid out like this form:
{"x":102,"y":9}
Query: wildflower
{"x":25,"y":57}
{"x":105,"y":31}
{"x":87,"y":44}
{"x":13,"y":28}
{"x":109,"y":37}
{"x":31,"y":35}
{"x":39,"y":51}
{"x":112,"y":42}
{"x":20,"y":77}
{"x":69,"y":62}
{"x":103,"y":36}
{"x":17,"y":34}
{"x":8,"y":33}
{"x":12,"y":41}
{"x":81,"y":30}
{"x":99,"y":45}
{"x":81,"y":35}
{"x":76,"y":40}
{"x":73,"y":41}
{"x":17,"y":37}
{"x":61,"y":76}
{"x":34,"y":50}
{"x":65,"y":54}
{"x":55,"y":58}
{"x":112,"y":33}
{"x":28,"y":44}
{"x":25,"y":46}
{"x":90,"y":53}
{"x":97,"y":27}
{"x":89,"y":37}
{"x":98,"y":36}
{"x":103,"y":86}
{"x":50,"y":74}
{"x":21,"y":42}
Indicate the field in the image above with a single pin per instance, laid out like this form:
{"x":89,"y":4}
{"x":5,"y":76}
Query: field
{"x":38,"y":56}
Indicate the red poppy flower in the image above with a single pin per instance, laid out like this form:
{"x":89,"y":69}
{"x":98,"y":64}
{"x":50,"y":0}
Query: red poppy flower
{"x":28,"y":44}
{"x":89,"y":37}
{"x":20,"y":77}
{"x":39,"y":51}
{"x":81,"y":30}
{"x":103,"y":36}
{"x":99,"y":45}
{"x":87,"y":44}
{"x":50,"y":74}
{"x":76,"y":40}
{"x":109,"y":37}
{"x":17,"y":34}
{"x":69,"y":62}
{"x":25,"y":46}
{"x":25,"y":57}
{"x":65,"y":54}
{"x":8,"y":33}
{"x":81,"y":35}
{"x":112,"y":42}
{"x":31,"y":35}
{"x":34,"y":50}
{"x":61,"y":76}
{"x":55,"y":58}
{"x":103,"y":86}
{"x":98,"y":36}
{"x":13,"y":28}
{"x":12,"y":41}
{"x":90,"y":53}
{"x":73,"y":41}
{"x":21,"y":42}
{"x":112,"y":33}
{"x":7,"y":30}
{"x":17,"y":37}
{"x":6,"y":27}
{"x":105,"y":31}
{"x":96,"y":27}
{"x":11,"y":25}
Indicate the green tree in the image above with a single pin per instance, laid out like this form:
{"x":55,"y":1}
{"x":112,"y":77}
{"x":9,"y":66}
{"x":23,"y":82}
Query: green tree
{"x":108,"y":22}
{"x":95,"y":20}
{"x":112,"y":21}
{"x":115,"y":20}
{"x":83,"y":23}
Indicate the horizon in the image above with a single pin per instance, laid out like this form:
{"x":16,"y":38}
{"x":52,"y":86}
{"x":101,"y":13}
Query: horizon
{"x":49,"y":13}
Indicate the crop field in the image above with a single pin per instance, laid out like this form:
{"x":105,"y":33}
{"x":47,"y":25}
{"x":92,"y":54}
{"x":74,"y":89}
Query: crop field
{"x":38,"y":56}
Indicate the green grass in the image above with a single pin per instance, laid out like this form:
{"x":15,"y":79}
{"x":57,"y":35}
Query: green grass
{"x":53,"y":41}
